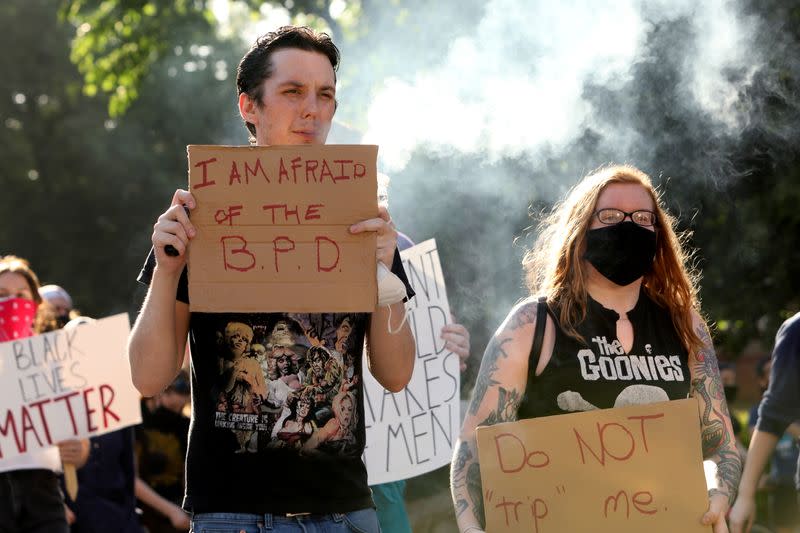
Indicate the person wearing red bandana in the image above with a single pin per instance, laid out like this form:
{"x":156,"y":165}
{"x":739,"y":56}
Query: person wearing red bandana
{"x":30,"y":498}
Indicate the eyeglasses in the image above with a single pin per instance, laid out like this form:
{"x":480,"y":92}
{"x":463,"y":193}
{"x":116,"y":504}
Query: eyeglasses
{"x":611,"y":216}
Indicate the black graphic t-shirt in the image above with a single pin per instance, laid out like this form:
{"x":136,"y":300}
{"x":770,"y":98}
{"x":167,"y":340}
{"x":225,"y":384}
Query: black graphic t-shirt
{"x":598,"y":374}
{"x":277,"y":410}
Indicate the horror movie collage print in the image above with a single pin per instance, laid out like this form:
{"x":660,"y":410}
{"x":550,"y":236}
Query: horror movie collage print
{"x":290,"y":381}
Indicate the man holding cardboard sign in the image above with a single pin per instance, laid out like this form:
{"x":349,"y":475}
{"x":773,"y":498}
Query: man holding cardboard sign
{"x":264,"y":383}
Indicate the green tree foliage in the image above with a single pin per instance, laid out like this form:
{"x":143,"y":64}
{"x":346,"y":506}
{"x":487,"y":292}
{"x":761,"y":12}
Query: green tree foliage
{"x":117,"y":42}
{"x":81,"y":191}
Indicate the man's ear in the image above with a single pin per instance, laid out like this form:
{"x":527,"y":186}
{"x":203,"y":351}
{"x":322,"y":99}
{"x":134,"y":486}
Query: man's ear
{"x":247,"y":108}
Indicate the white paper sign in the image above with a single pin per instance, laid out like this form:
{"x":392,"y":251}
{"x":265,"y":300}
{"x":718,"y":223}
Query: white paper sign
{"x":413,"y":431}
{"x":66,"y":384}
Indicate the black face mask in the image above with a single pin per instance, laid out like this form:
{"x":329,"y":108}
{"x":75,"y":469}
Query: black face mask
{"x":622,"y":253}
{"x":730,"y":393}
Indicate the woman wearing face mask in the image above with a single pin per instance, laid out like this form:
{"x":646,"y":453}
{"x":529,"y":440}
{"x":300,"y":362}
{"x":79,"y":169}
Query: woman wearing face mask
{"x":30,"y":500}
{"x":616,"y":282}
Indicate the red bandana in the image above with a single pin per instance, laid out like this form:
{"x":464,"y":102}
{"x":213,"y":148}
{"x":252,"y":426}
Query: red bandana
{"x":16,"y":318}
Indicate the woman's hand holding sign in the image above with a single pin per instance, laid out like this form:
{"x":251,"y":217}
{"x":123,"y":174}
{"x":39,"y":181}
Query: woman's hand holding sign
{"x":717,"y":509}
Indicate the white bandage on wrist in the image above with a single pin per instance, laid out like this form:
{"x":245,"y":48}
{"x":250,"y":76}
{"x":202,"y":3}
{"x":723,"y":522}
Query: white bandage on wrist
{"x":391,"y":290}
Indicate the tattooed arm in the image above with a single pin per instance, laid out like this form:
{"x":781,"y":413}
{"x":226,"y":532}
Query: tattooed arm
{"x":715,"y":426}
{"x":497,"y":394}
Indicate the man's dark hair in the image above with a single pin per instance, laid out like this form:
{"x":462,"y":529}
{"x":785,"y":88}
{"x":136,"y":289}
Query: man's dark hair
{"x":256,"y":65}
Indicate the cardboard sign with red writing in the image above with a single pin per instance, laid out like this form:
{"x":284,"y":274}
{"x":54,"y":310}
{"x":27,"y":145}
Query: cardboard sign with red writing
{"x":629,"y":469}
{"x":272,"y":228}
{"x":66,"y":384}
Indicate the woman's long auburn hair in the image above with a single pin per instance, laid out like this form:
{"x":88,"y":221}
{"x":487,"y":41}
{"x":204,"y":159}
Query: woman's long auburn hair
{"x":555,"y":267}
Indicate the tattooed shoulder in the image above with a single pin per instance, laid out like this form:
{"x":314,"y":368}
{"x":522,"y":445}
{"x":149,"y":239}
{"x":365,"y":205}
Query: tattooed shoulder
{"x":522,"y":315}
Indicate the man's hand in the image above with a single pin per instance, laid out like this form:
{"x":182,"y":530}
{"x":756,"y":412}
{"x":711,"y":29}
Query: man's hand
{"x":456,"y":339}
{"x":742,"y":515}
{"x":173,"y":228}
{"x":384,"y":229}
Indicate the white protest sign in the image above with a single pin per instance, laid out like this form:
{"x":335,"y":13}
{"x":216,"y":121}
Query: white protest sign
{"x":412,"y":432}
{"x":66,"y":384}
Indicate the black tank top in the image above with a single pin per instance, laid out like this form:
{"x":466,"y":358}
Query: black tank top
{"x":598,"y":374}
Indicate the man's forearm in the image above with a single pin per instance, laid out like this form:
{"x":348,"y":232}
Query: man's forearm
{"x":152,"y":347}
{"x":391,"y":355}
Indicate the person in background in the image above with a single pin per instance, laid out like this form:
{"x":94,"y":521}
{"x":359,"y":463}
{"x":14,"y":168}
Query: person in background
{"x":104,"y":463}
{"x":58,"y":309}
{"x":390,"y":497}
{"x":615,"y":282}
{"x":60,"y":302}
{"x":30,"y":498}
{"x":161,"y":442}
{"x":778,"y":411}
{"x":105,"y":500}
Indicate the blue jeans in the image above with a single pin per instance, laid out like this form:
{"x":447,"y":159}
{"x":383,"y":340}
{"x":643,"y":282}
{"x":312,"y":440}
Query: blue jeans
{"x":363,"y":521}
